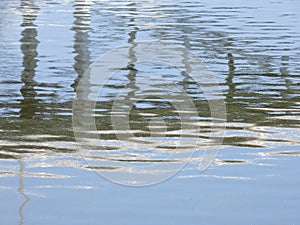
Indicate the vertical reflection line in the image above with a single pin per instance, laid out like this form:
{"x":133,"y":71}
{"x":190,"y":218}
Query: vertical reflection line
{"x":284,"y":73}
{"x":132,"y":55}
{"x":229,"y":96}
{"x":81,"y":27}
{"x":229,"y":79}
{"x":21,"y":190}
{"x":288,"y":84}
{"x":185,"y":61}
{"x":29,"y":45}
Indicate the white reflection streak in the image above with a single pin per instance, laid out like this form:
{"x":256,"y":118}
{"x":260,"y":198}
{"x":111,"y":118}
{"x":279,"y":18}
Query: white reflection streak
{"x":21,"y":190}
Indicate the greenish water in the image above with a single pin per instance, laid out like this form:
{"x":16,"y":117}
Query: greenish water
{"x":47,"y":45}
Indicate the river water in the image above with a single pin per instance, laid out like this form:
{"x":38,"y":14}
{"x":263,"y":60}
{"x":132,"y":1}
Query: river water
{"x":46,"y":47}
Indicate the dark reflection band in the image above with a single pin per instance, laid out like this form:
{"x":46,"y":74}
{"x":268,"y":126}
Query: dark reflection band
{"x":94,"y":149}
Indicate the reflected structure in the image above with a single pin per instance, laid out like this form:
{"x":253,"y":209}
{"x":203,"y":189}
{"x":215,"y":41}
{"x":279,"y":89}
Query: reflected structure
{"x":29,"y":44}
{"x":81,"y":27}
{"x":22,"y":191}
{"x":29,"y":104}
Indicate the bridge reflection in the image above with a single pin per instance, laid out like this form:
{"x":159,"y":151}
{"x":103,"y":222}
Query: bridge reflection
{"x":29,"y":44}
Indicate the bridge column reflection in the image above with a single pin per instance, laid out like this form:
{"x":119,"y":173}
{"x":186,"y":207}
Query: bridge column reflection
{"x":29,"y":44}
{"x":29,"y":104}
{"x":81,"y":27}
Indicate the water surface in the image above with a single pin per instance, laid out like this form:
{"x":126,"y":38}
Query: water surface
{"x":47,"y":45}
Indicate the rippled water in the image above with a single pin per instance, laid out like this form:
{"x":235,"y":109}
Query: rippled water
{"x":47,"y":45}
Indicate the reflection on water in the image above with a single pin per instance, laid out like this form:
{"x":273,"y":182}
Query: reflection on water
{"x":29,"y":103}
{"x":22,"y":192}
{"x":29,"y":44}
{"x":82,"y":28}
{"x":253,"y":51}
{"x":257,"y":102}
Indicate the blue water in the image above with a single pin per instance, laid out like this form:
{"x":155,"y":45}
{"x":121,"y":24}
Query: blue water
{"x":45,"y":48}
